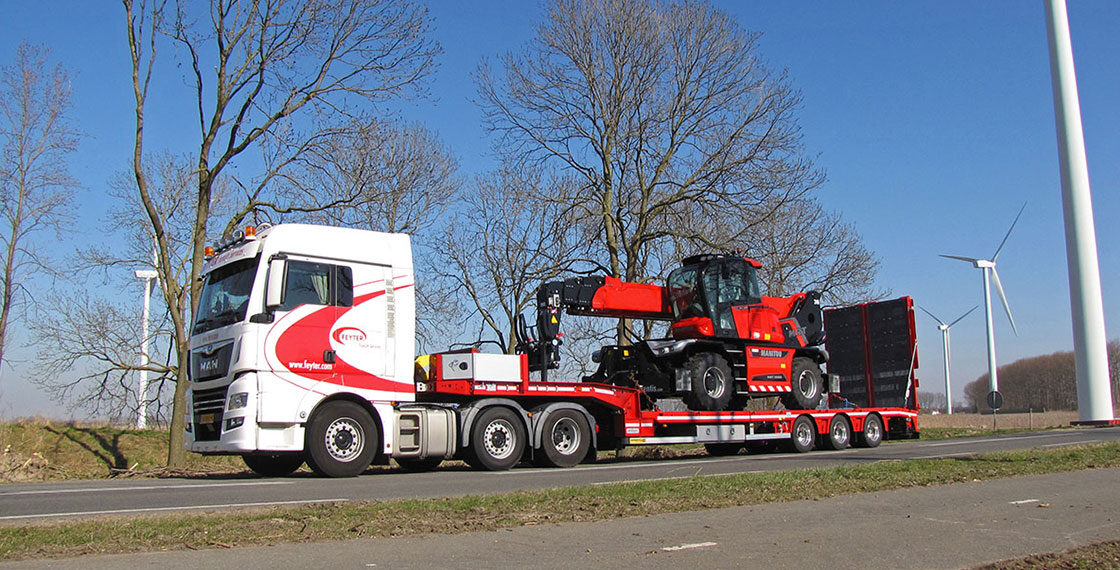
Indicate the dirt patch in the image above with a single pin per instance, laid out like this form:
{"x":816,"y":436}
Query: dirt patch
{"x":16,"y":467}
{"x":1003,"y":421}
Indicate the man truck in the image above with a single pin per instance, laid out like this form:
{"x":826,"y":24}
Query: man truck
{"x":302,"y":350}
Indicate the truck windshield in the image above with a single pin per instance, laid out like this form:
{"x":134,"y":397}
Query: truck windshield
{"x":225,"y":295}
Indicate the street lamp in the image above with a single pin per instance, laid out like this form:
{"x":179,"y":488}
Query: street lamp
{"x":148,"y":275}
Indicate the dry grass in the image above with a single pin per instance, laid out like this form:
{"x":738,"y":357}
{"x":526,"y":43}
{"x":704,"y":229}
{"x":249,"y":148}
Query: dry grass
{"x":1003,"y":421}
{"x":39,"y":450}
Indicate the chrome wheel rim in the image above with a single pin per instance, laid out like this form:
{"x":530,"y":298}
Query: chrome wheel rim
{"x":499,"y":439}
{"x":565,"y":436}
{"x":345,"y":439}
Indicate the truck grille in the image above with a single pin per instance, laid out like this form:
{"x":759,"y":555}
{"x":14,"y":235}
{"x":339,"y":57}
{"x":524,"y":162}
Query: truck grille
{"x":208,"y":408}
{"x":209,"y":363}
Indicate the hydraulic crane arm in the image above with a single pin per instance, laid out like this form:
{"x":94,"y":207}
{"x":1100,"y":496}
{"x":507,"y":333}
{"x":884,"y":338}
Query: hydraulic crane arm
{"x":598,"y":296}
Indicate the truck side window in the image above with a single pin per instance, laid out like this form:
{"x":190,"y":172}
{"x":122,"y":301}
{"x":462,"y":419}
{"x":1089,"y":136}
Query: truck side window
{"x":310,"y":283}
{"x":307,"y":284}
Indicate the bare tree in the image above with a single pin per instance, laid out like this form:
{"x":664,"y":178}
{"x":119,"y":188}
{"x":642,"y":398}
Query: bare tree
{"x":92,"y":366}
{"x":663,"y":112}
{"x":1047,"y":382}
{"x":384,"y":176}
{"x":95,"y":336}
{"x":803,"y":247}
{"x":505,"y":242}
{"x":35,"y":185}
{"x":930,"y":401}
{"x":255,"y":68}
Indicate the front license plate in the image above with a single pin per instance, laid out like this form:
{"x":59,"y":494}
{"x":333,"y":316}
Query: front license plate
{"x":207,"y":418}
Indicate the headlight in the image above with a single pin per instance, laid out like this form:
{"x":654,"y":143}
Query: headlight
{"x":238,"y":401}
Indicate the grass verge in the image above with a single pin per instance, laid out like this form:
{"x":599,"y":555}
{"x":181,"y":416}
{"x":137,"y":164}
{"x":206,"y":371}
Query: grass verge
{"x":488,"y":512}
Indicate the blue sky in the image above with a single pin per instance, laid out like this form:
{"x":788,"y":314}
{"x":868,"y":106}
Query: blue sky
{"x":933,"y":120}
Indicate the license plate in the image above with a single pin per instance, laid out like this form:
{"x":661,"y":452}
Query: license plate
{"x":207,"y":418}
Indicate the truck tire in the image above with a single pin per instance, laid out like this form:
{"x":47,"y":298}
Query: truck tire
{"x":805,"y":380}
{"x":723,"y":449}
{"x":564,"y":439}
{"x":839,"y":433}
{"x":804,"y":434}
{"x":712,"y":382}
{"x":341,"y":439}
{"x":872,"y":434}
{"x":417,"y":465}
{"x":497,"y":440}
{"x":273,"y":464}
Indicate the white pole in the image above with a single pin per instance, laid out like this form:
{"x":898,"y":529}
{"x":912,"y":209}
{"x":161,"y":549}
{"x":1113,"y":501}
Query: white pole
{"x":142,"y":396}
{"x":993,"y":378}
{"x":948,"y":386}
{"x":1094,"y":398}
{"x":148,"y":275}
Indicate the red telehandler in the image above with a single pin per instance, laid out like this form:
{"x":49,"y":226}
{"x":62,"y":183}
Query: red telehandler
{"x":727,"y":343}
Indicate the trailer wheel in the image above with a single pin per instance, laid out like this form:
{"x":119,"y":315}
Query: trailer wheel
{"x":341,"y":439}
{"x":565,"y":439}
{"x":804,"y":434}
{"x":839,"y":433}
{"x":723,"y":449}
{"x":416,"y":465}
{"x":712,"y":382}
{"x":273,"y":464}
{"x":805,"y":378}
{"x":497,"y":440}
{"x":872,"y":434}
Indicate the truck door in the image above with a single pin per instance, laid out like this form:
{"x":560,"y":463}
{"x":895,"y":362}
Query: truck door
{"x":315,"y":294}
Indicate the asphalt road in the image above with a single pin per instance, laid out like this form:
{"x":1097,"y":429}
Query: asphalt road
{"x":53,"y":501}
{"x":945,"y":526}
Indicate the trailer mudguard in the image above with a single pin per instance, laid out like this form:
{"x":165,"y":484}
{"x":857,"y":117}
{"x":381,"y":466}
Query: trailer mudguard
{"x":541,"y":413}
{"x":468,"y":413}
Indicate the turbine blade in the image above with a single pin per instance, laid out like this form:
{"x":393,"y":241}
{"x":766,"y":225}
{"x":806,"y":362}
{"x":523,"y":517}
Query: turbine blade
{"x":974,"y":307}
{"x":996,"y":256}
{"x":1002,"y":297}
{"x":932,"y":315}
{"x":968,"y":259}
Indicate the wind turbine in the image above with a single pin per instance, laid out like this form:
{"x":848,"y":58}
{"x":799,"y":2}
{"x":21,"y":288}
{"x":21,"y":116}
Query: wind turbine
{"x":990,"y":274}
{"x":944,"y":328}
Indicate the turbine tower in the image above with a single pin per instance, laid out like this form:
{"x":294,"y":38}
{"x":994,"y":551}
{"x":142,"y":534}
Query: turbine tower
{"x":990,"y":274}
{"x":944,"y":328}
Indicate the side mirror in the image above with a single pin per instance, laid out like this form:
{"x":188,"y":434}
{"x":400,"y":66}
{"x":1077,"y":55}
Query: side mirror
{"x":274,"y":295}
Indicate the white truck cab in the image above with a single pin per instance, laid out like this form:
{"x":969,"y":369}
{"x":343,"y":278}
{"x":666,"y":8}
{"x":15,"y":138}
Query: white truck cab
{"x":292,"y":316}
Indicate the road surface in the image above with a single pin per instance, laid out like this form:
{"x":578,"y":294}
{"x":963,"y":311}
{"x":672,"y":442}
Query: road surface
{"x":54,"y":501}
{"x":947,"y":526}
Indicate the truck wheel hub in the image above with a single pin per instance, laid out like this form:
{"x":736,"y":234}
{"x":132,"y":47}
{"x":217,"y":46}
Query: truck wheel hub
{"x":498,"y":439}
{"x":565,"y":436}
{"x":344,"y":439}
{"x":714,"y":383}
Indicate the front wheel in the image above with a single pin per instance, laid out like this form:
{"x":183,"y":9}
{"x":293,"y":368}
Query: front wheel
{"x":712,"y":382}
{"x":805,"y":379}
{"x":497,"y":440}
{"x":273,"y":464}
{"x":341,"y":439}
